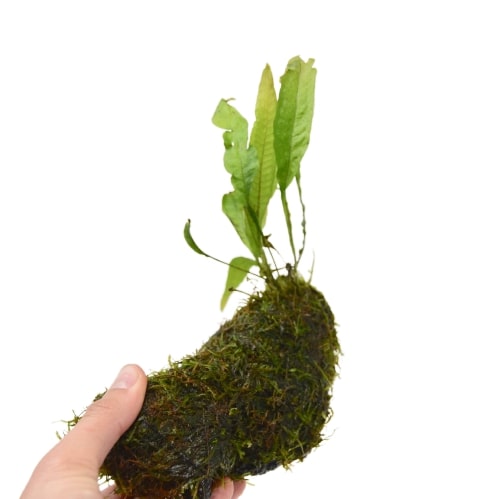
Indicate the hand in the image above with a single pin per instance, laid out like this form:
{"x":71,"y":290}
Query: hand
{"x":71,"y":468}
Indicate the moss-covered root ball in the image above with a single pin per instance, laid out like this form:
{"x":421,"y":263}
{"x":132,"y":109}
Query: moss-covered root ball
{"x":254,"y":397}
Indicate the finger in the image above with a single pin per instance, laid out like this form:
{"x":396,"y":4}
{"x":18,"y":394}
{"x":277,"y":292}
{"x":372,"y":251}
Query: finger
{"x":108,"y":418}
{"x":104,"y":421}
{"x":239,"y":487}
{"x":110,"y":493}
{"x":224,"y":490}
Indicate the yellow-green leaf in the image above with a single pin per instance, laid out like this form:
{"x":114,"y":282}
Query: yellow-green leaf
{"x":262,"y":139}
{"x":238,"y":270}
{"x":235,"y":207}
{"x":239,"y":161}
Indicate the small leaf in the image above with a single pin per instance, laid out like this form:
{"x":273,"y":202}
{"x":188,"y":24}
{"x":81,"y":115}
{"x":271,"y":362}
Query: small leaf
{"x":238,"y":270}
{"x":190,"y":241}
{"x":293,"y":122}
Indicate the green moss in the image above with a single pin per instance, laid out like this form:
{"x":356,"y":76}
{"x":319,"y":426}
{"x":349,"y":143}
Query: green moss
{"x":254,"y":397}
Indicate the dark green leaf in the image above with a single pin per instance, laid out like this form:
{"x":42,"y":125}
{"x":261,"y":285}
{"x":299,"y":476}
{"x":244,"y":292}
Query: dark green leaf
{"x":190,"y":241}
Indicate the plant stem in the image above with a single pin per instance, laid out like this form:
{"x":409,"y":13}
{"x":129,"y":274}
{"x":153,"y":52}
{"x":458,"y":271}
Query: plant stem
{"x":303,"y":219}
{"x":287,"y":216}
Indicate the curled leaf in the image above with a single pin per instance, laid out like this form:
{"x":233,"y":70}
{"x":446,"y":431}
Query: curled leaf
{"x":190,"y":241}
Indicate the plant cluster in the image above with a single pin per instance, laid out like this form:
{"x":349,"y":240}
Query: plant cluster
{"x":257,"y":394}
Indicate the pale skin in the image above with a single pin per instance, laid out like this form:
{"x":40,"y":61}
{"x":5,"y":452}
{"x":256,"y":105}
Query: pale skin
{"x":70,"y":469}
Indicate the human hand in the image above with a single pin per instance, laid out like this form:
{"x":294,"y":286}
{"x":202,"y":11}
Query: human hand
{"x":71,"y":468}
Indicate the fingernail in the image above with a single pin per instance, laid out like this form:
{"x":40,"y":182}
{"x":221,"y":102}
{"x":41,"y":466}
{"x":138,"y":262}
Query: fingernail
{"x":126,"y":378}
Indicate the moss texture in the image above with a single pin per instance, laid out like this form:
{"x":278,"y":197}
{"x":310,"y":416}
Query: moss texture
{"x":254,"y":397}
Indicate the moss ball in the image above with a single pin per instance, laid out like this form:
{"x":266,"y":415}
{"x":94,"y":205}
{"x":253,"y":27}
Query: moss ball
{"x":254,"y":397}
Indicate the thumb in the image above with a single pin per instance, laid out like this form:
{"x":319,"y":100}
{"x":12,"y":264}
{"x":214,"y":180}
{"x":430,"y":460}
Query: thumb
{"x":89,"y":442}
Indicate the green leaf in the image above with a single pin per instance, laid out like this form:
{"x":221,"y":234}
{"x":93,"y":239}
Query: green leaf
{"x":262,"y":139}
{"x":238,"y":270}
{"x":190,"y":241}
{"x":239,"y":161}
{"x":293,"y":121}
{"x":235,"y":207}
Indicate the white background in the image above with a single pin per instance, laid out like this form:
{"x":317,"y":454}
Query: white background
{"x":107,"y":147}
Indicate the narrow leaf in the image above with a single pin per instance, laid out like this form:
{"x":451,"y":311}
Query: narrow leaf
{"x":190,"y":241}
{"x":238,"y":270}
{"x":293,"y":120}
{"x":262,"y":139}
